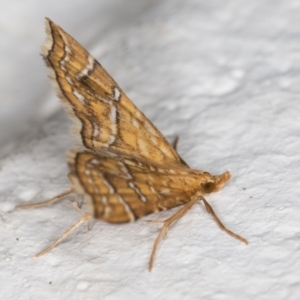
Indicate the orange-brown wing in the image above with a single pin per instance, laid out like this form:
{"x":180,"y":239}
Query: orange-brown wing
{"x":105,"y":119}
{"x":122,"y":190}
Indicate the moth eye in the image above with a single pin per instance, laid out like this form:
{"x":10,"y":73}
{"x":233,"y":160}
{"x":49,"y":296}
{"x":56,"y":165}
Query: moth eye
{"x":208,"y":187}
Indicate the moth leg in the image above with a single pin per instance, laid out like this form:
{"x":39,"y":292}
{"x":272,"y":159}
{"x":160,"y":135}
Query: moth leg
{"x":158,"y":221}
{"x":76,"y":207}
{"x":175,"y":143}
{"x":167,"y":224}
{"x":81,"y":211}
{"x":179,"y":214}
{"x":211,"y":211}
{"x":48,"y":202}
{"x":84,"y":218}
{"x":79,"y":203}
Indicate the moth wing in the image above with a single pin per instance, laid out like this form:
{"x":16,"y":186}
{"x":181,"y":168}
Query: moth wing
{"x":104,"y":117}
{"x":122,"y":190}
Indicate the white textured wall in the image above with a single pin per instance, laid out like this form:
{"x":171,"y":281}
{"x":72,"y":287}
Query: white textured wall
{"x":224,"y":76}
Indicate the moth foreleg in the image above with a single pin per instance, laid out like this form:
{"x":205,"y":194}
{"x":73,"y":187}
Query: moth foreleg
{"x":211,"y":211}
{"x":167,"y":223}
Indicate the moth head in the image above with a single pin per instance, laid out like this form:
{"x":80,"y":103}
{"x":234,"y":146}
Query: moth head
{"x":214,"y":183}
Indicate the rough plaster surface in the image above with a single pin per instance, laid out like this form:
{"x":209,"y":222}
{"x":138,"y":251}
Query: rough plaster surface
{"x":224,"y":76}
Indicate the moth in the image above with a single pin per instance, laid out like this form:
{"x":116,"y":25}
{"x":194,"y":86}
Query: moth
{"x":124,"y":167}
